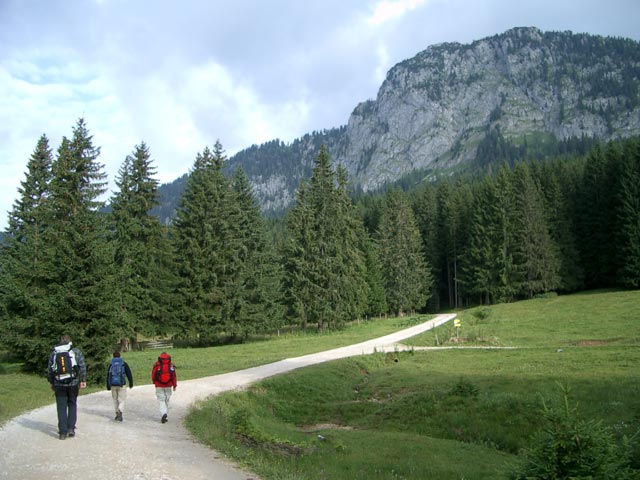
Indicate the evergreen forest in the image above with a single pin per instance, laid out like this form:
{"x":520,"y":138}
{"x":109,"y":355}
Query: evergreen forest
{"x":221,"y":271}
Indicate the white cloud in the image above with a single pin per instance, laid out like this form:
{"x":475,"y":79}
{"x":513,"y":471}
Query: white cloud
{"x":391,"y":9}
{"x":180,"y":77}
{"x":383,"y":63}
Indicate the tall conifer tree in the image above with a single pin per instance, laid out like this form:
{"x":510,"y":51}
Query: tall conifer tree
{"x":426,"y":212}
{"x":477,"y":261}
{"x":24,"y":265}
{"x":489,"y":271}
{"x":351,"y":267}
{"x":142,"y":253}
{"x":201,"y":227}
{"x":628,"y":217}
{"x":407,"y":276}
{"x":377,"y":296}
{"x":596,"y":218}
{"x":256,"y":303}
{"x":299,"y":255}
{"x":81,"y":289}
{"x":558,"y":186}
{"x":462,"y":201}
{"x":535,"y":254}
{"x":324,"y":264}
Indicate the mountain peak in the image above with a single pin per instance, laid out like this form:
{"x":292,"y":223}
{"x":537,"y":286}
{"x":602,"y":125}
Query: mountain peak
{"x":457,"y":106}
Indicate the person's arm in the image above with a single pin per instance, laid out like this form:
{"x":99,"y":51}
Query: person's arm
{"x":109,"y":377}
{"x":153,"y":372}
{"x":82,"y":366}
{"x":127,"y":372}
{"x":175,"y":378}
{"x":50,"y":375}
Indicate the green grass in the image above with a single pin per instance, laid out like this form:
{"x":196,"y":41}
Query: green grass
{"x":439,"y":414}
{"x":594,"y":318}
{"x":21,"y":392}
{"x":445,"y":414}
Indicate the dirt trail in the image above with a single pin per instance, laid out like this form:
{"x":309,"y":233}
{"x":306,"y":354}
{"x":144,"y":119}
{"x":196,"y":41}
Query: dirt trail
{"x":140,"y":448}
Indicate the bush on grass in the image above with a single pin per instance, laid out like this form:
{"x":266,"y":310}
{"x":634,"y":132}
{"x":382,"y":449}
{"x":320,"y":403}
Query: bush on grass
{"x":571,"y":448}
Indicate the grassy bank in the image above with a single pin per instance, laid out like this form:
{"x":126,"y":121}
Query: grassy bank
{"x":445,"y":414}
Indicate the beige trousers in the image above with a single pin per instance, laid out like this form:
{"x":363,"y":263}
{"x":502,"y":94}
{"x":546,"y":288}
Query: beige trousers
{"x":163,"y":395}
{"x":119,"y":395}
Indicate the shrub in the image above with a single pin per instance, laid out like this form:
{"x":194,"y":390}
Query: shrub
{"x":464,"y":388}
{"x":481,"y":314}
{"x":571,"y":448}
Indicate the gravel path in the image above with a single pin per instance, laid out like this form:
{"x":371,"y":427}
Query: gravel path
{"x":140,"y":448}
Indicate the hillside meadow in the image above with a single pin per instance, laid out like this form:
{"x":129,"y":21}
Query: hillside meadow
{"x":448,"y":413}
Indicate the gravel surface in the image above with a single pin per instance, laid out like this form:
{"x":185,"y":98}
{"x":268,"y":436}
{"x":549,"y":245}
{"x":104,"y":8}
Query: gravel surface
{"x":140,"y":447}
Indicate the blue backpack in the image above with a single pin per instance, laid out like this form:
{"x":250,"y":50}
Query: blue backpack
{"x":116,"y":373}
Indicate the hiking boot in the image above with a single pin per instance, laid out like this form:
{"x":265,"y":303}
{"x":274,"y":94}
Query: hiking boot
{"x":62,"y":436}
{"x":72,"y":433}
{"x":164,"y":418}
{"x":119,"y":416}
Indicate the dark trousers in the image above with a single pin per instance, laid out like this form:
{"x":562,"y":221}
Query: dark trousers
{"x":66,"y":401}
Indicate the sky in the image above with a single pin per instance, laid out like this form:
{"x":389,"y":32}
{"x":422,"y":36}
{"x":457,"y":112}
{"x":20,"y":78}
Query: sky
{"x":180,"y":75}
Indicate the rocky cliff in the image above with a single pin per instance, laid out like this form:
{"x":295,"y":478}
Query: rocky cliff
{"x":437,"y":111}
{"x":435,"y":108}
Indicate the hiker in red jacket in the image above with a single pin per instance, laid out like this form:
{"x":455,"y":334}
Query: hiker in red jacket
{"x":164,"y":378}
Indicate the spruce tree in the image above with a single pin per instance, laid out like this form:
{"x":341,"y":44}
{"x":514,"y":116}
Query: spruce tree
{"x":81,"y":288}
{"x":628,"y":217}
{"x":142,"y":255}
{"x":596,"y":218}
{"x":25,"y":262}
{"x":201,"y":229}
{"x":377,"y":296}
{"x":477,"y":262}
{"x":352,"y":287}
{"x":558,"y":186}
{"x":299,"y":256}
{"x":451,"y":225}
{"x":535,"y":254}
{"x":321,"y":271}
{"x":462,"y":200}
{"x":407,"y":276}
{"x":502,"y":233}
{"x":488,"y":259}
{"x":426,"y":212}
{"x":256,"y":298}
{"x":324,"y":263}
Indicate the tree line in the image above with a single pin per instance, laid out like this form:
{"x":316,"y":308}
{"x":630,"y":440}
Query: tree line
{"x":222,"y":272}
{"x":519,"y":231}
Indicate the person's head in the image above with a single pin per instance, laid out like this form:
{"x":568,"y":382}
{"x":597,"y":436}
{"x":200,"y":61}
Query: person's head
{"x":116,"y":354}
{"x":65,"y":339}
{"x":164,"y":357}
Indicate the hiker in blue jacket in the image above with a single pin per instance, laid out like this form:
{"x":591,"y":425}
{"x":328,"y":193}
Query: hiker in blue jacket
{"x":116,"y":382}
{"x":67,"y":374}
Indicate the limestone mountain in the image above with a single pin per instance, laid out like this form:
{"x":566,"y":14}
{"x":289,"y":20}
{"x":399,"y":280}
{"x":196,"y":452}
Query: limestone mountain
{"x":453,"y":106}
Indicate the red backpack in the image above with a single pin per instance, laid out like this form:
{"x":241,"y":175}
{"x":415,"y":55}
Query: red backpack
{"x":165,"y":371}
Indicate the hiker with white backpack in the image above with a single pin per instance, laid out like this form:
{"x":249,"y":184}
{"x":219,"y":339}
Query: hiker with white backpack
{"x":117,"y":375}
{"x":67,"y":374}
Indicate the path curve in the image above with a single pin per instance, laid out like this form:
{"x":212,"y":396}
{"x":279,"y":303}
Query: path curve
{"x":140,"y":448}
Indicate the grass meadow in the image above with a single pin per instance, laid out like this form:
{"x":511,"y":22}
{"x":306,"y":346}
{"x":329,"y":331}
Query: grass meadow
{"x":449,"y":413}
{"x":442,"y":414}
